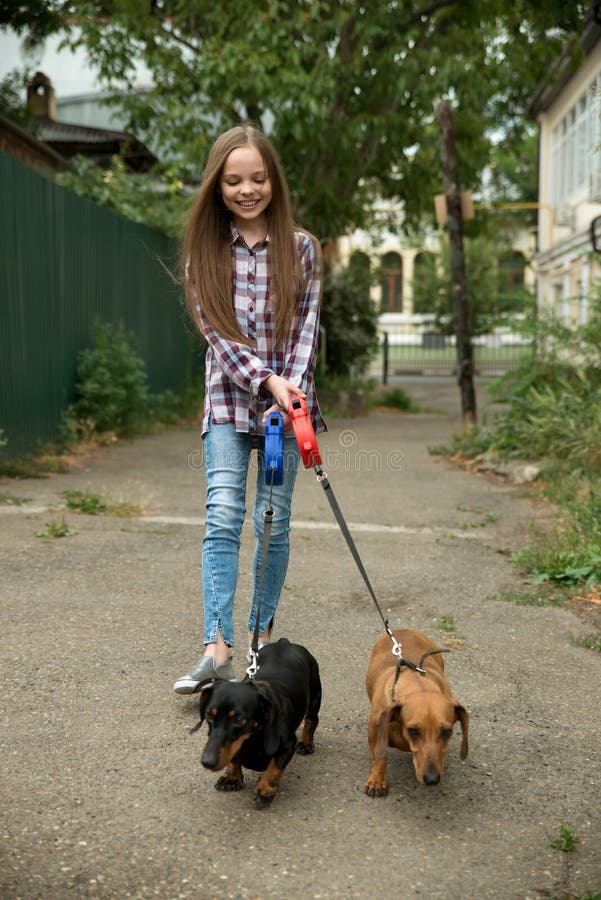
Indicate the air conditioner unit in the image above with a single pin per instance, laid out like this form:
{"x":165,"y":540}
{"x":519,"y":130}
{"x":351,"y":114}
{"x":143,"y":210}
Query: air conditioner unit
{"x":564,"y":215}
{"x":595,"y":187}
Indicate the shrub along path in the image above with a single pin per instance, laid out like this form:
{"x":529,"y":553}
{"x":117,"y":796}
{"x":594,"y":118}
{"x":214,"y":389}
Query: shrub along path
{"x":104,"y":792}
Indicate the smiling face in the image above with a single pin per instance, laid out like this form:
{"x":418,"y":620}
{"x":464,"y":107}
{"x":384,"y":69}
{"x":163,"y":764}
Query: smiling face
{"x":246,"y":188}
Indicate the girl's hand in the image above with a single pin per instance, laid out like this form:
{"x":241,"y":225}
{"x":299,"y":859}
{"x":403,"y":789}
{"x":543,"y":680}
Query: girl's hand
{"x":282,"y":390}
{"x":285,"y":416}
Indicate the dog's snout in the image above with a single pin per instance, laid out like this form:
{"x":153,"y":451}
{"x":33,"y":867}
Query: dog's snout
{"x":209,"y":757}
{"x":431,"y":776}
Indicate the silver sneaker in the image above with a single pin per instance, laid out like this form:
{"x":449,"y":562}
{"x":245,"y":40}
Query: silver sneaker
{"x":205,"y":670}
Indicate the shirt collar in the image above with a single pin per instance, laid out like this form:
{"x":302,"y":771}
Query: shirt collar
{"x":236,"y":236}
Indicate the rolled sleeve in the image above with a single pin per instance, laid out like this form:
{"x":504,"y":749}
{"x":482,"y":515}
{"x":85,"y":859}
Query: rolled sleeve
{"x":302,"y":348}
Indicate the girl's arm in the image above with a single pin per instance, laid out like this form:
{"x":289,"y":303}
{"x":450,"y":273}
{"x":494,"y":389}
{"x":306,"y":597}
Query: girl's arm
{"x":300,"y":362}
{"x":237,"y":361}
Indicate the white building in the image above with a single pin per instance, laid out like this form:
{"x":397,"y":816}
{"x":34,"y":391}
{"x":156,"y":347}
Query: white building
{"x":568,"y":112}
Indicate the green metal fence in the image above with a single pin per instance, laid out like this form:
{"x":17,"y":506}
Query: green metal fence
{"x":65,"y":264}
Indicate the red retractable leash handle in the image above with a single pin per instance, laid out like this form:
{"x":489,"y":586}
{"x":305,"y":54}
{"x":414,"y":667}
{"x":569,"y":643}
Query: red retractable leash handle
{"x":304,"y":433}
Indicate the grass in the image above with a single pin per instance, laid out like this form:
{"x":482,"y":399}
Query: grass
{"x":529,"y":598}
{"x":561,"y":558}
{"x":85,"y":502}
{"x":10,"y":500}
{"x":447,"y":623}
{"x":395,"y":398}
{"x":90,"y":504}
{"x":591,"y":643}
{"x":33,"y":465}
{"x":566,"y":840}
{"x":55,"y":529}
{"x":550,"y":412}
{"x":487,"y":518}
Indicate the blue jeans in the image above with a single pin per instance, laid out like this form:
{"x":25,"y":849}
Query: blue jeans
{"x":227,"y":455}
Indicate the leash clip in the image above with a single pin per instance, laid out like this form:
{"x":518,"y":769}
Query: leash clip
{"x":254,"y":664}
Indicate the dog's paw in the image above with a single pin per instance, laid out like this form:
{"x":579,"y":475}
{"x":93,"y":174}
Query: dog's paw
{"x":229,"y":784}
{"x":262,"y":800}
{"x":375,"y":788}
{"x":305,"y":749}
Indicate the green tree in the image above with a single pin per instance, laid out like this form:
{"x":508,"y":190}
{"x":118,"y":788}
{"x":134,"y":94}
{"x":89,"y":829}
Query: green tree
{"x":345,"y":89}
{"x":493,"y":295}
{"x":159,"y":201}
{"x":12,"y":88}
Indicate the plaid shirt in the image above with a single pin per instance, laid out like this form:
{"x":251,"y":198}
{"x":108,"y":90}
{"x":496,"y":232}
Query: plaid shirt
{"x":235,"y":372}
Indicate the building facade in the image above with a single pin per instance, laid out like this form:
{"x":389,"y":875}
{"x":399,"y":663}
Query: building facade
{"x":568,"y":112}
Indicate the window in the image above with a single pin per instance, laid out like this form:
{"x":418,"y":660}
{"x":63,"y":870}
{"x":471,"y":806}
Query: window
{"x":425,"y":282}
{"x":392,"y":283}
{"x":511,"y":272}
{"x":575,"y":145}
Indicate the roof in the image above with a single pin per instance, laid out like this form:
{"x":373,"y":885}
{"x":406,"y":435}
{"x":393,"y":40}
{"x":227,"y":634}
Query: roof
{"x":101,"y":143}
{"x":29,"y":149}
{"x":50,"y":130}
{"x":566,"y":67}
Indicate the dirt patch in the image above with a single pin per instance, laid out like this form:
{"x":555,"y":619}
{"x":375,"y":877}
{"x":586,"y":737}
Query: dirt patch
{"x":587,"y":606}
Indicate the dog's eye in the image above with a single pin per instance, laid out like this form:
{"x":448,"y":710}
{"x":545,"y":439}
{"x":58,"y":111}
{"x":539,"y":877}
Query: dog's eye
{"x":414,"y":733}
{"x":446,"y":733}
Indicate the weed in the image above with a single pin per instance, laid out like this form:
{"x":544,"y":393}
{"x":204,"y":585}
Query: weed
{"x":447,"y":623}
{"x":85,"y":502}
{"x":94,"y":505}
{"x":591,"y":643}
{"x":55,"y":530}
{"x":396,"y":398}
{"x":566,"y":841}
{"x":523,"y":598}
{"x":32,"y":465}
{"x":486,"y":519}
{"x":560,"y":560}
{"x":9,"y":500}
{"x":550,"y":409}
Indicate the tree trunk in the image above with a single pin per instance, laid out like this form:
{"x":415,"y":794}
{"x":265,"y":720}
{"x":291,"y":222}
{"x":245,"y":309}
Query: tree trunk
{"x":465,"y":365}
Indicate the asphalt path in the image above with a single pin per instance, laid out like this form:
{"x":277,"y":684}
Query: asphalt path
{"x":103,"y":793}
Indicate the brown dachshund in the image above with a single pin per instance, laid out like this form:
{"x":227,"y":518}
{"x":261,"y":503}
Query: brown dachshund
{"x":417,"y":713}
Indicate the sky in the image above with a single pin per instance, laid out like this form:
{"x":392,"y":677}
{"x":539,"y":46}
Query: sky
{"x":68,"y":71}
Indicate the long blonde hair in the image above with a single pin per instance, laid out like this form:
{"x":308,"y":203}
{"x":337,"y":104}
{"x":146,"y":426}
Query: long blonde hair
{"x":206,"y":247}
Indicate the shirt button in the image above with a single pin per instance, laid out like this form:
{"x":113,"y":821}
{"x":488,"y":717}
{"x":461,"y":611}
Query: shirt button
{"x":251,"y":277}
{"x":250,"y":307}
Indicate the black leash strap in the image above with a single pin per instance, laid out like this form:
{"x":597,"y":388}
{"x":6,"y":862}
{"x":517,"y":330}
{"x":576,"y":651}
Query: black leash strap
{"x":267,"y":523}
{"x":323,"y":480}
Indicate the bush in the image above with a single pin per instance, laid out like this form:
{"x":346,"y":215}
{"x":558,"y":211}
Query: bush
{"x":111,"y":383}
{"x":551,"y":410}
{"x":350,"y":321}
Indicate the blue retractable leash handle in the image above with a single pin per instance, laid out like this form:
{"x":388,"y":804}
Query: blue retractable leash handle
{"x":274,"y":449}
{"x":274,"y":475}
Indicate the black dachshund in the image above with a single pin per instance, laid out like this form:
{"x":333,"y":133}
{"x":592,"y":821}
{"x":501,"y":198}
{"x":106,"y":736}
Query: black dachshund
{"x":252,"y":723}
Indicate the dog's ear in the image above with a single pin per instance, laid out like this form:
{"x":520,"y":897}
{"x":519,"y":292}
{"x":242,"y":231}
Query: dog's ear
{"x":206,"y":692}
{"x":381,"y":745}
{"x":462,"y":717}
{"x":275,"y":718}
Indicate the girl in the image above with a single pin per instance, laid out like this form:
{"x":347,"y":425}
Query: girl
{"x":253,"y":287}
